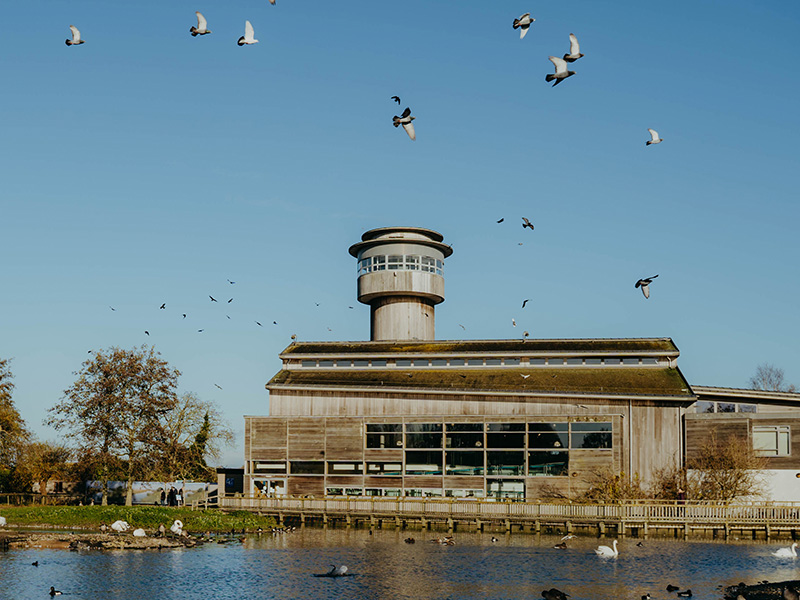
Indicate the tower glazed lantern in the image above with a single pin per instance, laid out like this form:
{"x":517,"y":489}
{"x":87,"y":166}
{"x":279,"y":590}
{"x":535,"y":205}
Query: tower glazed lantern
{"x":401,"y":278}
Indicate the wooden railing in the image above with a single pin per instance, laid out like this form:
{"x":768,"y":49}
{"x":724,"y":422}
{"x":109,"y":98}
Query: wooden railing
{"x":467,"y":509}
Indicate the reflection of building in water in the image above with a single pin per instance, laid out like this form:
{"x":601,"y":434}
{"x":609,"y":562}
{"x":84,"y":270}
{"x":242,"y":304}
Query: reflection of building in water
{"x":404,"y":414}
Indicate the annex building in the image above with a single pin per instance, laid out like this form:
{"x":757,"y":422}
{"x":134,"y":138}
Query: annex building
{"x":406,"y":415}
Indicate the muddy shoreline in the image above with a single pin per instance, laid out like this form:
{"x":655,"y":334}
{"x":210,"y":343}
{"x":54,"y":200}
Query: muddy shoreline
{"x":92,"y":541}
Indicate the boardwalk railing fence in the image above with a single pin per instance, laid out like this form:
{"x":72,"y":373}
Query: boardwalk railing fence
{"x":650,"y":512}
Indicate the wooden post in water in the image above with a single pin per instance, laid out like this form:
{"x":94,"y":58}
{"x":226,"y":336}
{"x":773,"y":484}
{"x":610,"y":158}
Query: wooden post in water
{"x":601,"y":529}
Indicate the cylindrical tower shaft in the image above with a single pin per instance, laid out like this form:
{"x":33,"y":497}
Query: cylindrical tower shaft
{"x":401,"y":277}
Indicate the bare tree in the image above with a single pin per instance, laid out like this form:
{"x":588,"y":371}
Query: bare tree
{"x":725,"y":470}
{"x":114,"y":408}
{"x":192,"y":433}
{"x":770,"y":378}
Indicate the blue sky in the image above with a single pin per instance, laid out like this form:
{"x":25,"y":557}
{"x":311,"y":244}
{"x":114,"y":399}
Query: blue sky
{"x":148,"y":167}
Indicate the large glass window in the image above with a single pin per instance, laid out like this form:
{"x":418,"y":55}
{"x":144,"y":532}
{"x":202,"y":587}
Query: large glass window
{"x":505,"y":435}
{"x":384,"y":468}
{"x":345,"y":468}
{"x":385,"y":435}
{"x":590,"y":435}
{"x":548,"y":435}
{"x":505,"y":463}
{"x":464,"y":435}
{"x":423,"y":462}
{"x":548,"y":463}
{"x":772,"y":440}
{"x":463,"y":462}
{"x":395,"y":262}
{"x":502,"y":489}
{"x":423,"y":435}
{"x":307,"y":467}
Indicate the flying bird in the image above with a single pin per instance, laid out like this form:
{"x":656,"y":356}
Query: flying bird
{"x":523,"y":23}
{"x":396,"y":99}
{"x":405,"y":120}
{"x":525,"y":334}
{"x":294,"y":337}
{"x":163,"y":306}
{"x":213,"y":299}
{"x":524,"y":376}
{"x":645,"y":285}
{"x":146,"y":332}
{"x":200,"y":330}
{"x":112,"y":308}
{"x":202,"y":26}
{"x":514,"y":322}
{"x":524,"y":302}
{"x":230,"y":300}
{"x":184,"y":315}
{"x":259,"y":324}
{"x":216,"y":386}
{"x":574,"y":49}
{"x":462,"y":327}
{"x":501,"y":220}
{"x":249,"y":35}
{"x":272,"y":2}
{"x":654,"y":139}
{"x":561,"y":70}
{"x":76,"y":37}
{"x":526,"y":223}
{"x":231,"y":282}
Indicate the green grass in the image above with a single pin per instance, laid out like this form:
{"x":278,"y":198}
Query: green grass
{"x":148,"y":517}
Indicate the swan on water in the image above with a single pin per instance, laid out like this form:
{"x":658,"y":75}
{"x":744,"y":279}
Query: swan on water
{"x":606,"y":551}
{"x":789,"y":552}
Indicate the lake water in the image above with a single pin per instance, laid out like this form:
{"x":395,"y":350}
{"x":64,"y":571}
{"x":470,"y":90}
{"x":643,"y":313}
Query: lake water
{"x":281,"y":567}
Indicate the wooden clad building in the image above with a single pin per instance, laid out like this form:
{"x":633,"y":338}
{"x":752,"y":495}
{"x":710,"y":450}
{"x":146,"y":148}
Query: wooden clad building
{"x":495,"y":418}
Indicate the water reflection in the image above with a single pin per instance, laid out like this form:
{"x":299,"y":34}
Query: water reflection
{"x":281,"y":567}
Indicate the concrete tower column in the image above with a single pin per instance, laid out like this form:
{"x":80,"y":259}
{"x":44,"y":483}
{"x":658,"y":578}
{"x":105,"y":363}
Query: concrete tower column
{"x":401,"y":277}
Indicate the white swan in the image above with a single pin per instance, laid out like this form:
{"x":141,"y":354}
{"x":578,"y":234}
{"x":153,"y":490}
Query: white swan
{"x":120,"y":526}
{"x":139,"y":532}
{"x":177,"y":527}
{"x":2,"y":521}
{"x":606,"y":551}
{"x":786,"y":552}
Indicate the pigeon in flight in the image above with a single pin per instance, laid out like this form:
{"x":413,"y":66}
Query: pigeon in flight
{"x":523,"y":23}
{"x":514,"y":322}
{"x":462,"y":327}
{"x":184,"y":315}
{"x":561,"y":70}
{"x":259,"y":324}
{"x":213,"y":299}
{"x":501,"y":220}
{"x":202,"y":26}
{"x":526,"y":223}
{"x":231,"y":282}
{"x":230,"y":300}
{"x":216,"y":386}
{"x":645,"y":285}
{"x":654,"y":139}
{"x":272,"y":2}
{"x":574,"y":49}
{"x":249,"y":35}
{"x":396,"y":99}
{"x":524,"y":302}
{"x":146,"y":332}
{"x":200,"y":330}
{"x":112,"y":308}
{"x":405,"y":120}
{"x":163,"y":306}
{"x":76,"y":37}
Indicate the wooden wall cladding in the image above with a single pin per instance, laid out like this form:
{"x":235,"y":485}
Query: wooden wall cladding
{"x":698,"y":432}
{"x":306,"y":486}
{"x":306,"y":438}
{"x":344,"y":439}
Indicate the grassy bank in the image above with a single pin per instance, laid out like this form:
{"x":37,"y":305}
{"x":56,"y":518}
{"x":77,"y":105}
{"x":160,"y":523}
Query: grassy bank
{"x":147,"y":517}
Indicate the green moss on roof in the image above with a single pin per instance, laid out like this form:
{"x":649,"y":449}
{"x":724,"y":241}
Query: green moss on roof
{"x":661,"y":345}
{"x":622,"y":381}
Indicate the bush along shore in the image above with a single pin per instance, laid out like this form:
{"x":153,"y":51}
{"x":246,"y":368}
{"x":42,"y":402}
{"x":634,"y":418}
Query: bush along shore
{"x":44,"y":526}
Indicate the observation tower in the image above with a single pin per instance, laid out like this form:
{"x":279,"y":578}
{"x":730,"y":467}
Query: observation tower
{"x":401,"y":277}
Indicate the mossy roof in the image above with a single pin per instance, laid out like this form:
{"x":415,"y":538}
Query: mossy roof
{"x":631,"y":381}
{"x":663,"y":346}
